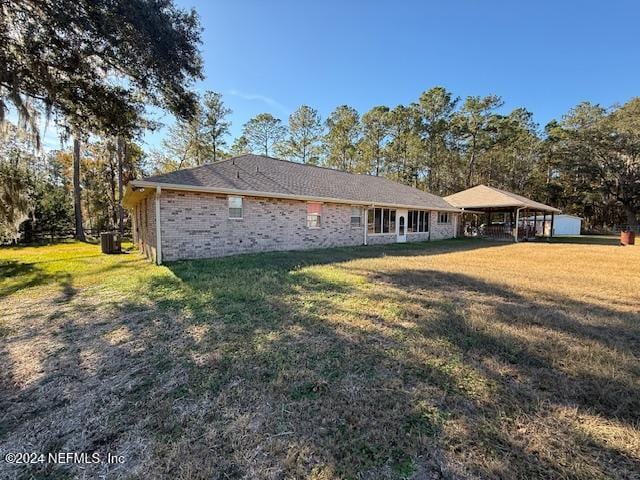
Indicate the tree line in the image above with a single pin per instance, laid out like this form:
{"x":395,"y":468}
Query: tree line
{"x":586,"y":163}
{"x":94,"y":68}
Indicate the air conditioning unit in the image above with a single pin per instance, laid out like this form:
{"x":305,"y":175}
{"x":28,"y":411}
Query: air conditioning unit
{"x":110,"y":243}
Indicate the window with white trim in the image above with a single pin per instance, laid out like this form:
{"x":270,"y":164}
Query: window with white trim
{"x":314,"y":214}
{"x":356,"y":216}
{"x":444,"y":217}
{"x":418,"y":221}
{"x":381,"y":220}
{"x":235,"y":208}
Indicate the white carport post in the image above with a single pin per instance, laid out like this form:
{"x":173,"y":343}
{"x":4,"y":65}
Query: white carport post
{"x":515,"y":235}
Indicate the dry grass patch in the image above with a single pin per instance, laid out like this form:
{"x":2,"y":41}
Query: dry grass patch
{"x":444,"y":360}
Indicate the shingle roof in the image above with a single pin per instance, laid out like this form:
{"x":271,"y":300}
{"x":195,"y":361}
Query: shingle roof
{"x":482,"y":196}
{"x":257,"y":173}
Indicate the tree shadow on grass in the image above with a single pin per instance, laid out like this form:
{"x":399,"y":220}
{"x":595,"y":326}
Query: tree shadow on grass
{"x":272,"y":367}
{"x":348,"y":372}
{"x":587,"y":240}
{"x":18,"y":275}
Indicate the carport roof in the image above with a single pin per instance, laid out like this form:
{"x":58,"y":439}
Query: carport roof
{"x":482,"y":197}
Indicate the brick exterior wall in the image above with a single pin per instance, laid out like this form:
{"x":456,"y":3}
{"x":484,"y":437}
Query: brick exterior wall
{"x":381,"y":238}
{"x":197,"y":225}
{"x":417,"y":237}
{"x":144,"y":227}
{"x":440,"y":231}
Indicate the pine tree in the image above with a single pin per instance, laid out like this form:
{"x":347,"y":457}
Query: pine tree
{"x":262,"y":132}
{"x":305,"y":133}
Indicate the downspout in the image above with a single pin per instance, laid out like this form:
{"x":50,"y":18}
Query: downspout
{"x":517,"y":221}
{"x":158,"y":229}
{"x":366,"y":224}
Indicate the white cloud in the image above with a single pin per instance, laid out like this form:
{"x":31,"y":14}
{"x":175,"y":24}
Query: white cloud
{"x":260,"y":98}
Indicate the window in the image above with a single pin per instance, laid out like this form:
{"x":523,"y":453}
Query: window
{"x":356,"y":216}
{"x":443,"y":217}
{"x":418,"y":221}
{"x":235,"y":207}
{"x":314,"y":213}
{"x":381,"y":220}
{"x":385,"y":220}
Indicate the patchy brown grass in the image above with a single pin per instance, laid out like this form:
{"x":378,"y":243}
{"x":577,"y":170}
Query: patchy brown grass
{"x":455,"y":359}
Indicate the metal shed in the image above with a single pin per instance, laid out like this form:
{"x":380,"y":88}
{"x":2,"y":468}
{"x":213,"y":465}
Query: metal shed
{"x":565,"y":224}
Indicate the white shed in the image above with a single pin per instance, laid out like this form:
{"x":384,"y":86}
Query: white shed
{"x":564,"y":224}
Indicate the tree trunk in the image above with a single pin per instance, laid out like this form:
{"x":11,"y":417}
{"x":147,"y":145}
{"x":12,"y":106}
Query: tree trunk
{"x":77,"y":205}
{"x":472,"y":162}
{"x":113,"y":180}
{"x":632,"y":217}
{"x":121,"y":153}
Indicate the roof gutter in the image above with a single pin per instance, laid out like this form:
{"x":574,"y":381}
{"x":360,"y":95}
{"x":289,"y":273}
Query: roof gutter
{"x":253,"y":193}
{"x":469,"y":208}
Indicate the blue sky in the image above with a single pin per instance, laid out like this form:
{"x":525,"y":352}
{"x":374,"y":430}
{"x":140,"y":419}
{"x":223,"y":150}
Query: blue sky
{"x":543,"y":55}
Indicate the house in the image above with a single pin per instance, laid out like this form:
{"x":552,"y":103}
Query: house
{"x":255,"y":203}
{"x":497,"y":214}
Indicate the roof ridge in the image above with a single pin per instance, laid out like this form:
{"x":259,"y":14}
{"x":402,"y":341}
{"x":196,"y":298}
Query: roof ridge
{"x":517,"y":196}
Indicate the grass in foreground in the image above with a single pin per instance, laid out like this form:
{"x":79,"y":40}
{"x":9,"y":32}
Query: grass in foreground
{"x":457,"y":359}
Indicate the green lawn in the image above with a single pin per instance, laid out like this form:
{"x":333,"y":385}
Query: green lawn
{"x":454,"y":359}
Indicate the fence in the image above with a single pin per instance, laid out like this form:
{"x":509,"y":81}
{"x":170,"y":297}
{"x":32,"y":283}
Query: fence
{"x":611,"y":229}
{"x":492,"y":232}
{"x":43,"y":236}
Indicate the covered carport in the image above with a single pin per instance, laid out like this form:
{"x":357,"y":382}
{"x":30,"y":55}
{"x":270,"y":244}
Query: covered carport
{"x":489,"y":212}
